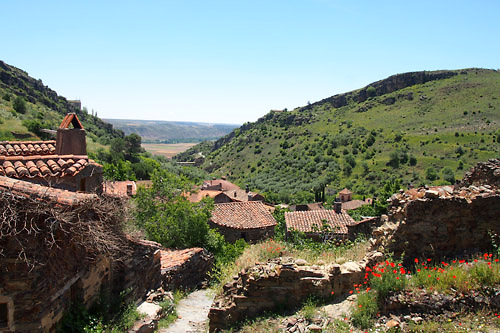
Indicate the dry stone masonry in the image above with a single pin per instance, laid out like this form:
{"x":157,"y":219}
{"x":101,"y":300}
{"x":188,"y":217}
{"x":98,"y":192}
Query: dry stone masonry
{"x":444,"y":221}
{"x":283,"y":283}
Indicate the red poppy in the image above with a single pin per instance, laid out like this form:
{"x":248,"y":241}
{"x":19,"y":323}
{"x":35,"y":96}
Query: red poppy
{"x":416,"y":260}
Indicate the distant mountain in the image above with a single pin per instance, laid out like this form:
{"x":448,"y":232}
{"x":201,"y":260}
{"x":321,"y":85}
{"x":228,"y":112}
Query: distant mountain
{"x":172,"y":131}
{"x":421,"y":127}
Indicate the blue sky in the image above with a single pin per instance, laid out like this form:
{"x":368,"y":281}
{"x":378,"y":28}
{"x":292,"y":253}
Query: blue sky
{"x":233,"y":61}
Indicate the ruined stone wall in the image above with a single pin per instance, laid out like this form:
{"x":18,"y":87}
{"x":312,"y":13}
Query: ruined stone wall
{"x":444,"y":221}
{"x":140,"y":272}
{"x":186,"y":268}
{"x":283,"y":283}
{"x":231,"y":235}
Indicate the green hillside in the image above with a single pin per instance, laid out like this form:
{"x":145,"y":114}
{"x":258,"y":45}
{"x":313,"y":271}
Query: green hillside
{"x":27,"y":106}
{"x":421,"y":127}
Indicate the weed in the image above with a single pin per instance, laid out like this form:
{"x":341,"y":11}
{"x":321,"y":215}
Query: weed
{"x":366,"y":308}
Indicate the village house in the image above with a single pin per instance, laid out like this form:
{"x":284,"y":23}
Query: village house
{"x":62,"y":163}
{"x":122,"y":188}
{"x":223,"y":191}
{"x":62,"y":236}
{"x":323,"y":224}
{"x":251,"y":221}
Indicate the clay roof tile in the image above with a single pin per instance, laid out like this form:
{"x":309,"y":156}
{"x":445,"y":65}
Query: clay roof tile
{"x":312,"y":221}
{"x":243,"y":215}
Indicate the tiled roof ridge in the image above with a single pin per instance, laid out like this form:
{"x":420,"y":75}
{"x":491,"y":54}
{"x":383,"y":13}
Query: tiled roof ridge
{"x":28,"y":189}
{"x":42,"y":165}
{"x":7,"y":142}
{"x":240,"y":203}
{"x":302,"y":219}
{"x":41,"y":157}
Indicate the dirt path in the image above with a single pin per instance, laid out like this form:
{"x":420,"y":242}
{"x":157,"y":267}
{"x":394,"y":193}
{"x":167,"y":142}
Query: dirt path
{"x":192,"y":312}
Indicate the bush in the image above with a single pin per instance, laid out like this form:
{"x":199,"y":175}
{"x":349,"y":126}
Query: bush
{"x":431,"y":174}
{"x":448,"y":175}
{"x":371,"y":91}
{"x":19,"y":105}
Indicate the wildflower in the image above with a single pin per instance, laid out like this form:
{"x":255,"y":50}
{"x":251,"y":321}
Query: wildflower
{"x":350,"y":291}
{"x":333,"y":292}
{"x":416,"y":260}
{"x":418,"y":270}
{"x":454,"y":276}
{"x":461,"y":261}
{"x":437,"y":278}
{"x":428,"y":259}
{"x":397,"y":277}
{"x":392,"y":264}
{"x":368,"y":289}
{"x":360,"y":306}
{"x":429,"y":275}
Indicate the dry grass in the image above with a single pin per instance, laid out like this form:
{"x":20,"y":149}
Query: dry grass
{"x":270,"y":249}
{"x":167,"y":149}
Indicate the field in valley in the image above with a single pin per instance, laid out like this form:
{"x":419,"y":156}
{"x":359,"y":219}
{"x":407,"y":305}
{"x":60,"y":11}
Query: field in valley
{"x":167,"y":149}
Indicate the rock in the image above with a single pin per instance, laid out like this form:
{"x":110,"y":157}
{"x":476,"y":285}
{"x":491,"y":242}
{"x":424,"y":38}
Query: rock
{"x":392,"y":324}
{"x":301,"y":262}
{"x":350,"y":267}
{"x":314,"y":328}
{"x":417,"y":320}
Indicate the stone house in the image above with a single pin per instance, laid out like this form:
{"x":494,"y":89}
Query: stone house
{"x":62,"y":163}
{"x":250,"y":221}
{"x":122,"y":188}
{"x":218,"y":196}
{"x":65,"y":261}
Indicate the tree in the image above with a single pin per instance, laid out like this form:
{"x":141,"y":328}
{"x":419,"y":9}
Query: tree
{"x":371,"y":91}
{"x":431,"y":174}
{"x":448,"y":175}
{"x":168,"y":217}
{"x":19,"y":105}
{"x":394,"y":159}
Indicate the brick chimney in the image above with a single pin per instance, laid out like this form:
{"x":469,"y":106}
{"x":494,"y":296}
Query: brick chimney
{"x":337,"y":206}
{"x":71,"y":140}
{"x":129,"y":190}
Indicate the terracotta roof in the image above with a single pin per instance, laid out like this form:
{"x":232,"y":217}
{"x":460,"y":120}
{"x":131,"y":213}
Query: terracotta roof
{"x":119,"y":188}
{"x":226,"y":185}
{"x":345,"y":191}
{"x":42,"y":166}
{"x":27,"y":189}
{"x":243,"y":215}
{"x":305,"y":220}
{"x":27,"y":148}
{"x":173,"y":258}
{"x":353,"y":204}
{"x":198,"y":196}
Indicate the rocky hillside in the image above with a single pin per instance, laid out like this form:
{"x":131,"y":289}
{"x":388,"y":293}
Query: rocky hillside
{"x":43,"y":108}
{"x":420,"y":127}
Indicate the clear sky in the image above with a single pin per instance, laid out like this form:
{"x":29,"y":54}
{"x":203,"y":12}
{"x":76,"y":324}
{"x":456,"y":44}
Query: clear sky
{"x":232,"y":61}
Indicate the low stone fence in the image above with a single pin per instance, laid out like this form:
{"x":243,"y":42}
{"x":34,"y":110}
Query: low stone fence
{"x":186,"y":268}
{"x":283,"y":283}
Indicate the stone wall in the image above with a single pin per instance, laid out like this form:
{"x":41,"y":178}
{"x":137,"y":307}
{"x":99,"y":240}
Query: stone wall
{"x":186,"y":268}
{"x":231,"y":235}
{"x":440,"y":223}
{"x":140,"y":272}
{"x":283,"y":283}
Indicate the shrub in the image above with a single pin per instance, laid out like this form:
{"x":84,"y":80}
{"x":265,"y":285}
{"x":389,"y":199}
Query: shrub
{"x":19,"y":105}
{"x":371,"y":91}
{"x":448,"y":175}
{"x":431,"y":174}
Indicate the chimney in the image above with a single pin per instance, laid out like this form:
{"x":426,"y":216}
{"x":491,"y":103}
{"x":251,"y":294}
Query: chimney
{"x":337,"y":206}
{"x":250,"y":196}
{"x":71,"y":141}
{"x":247,"y":188}
{"x":129,"y":190}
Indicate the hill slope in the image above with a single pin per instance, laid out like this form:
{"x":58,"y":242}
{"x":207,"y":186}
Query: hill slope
{"x":421,"y":127}
{"x":44,"y":108}
{"x":172,"y":131}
